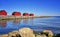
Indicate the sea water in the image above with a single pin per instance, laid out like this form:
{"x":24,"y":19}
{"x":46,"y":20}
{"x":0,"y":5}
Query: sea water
{"x":37,"y":24}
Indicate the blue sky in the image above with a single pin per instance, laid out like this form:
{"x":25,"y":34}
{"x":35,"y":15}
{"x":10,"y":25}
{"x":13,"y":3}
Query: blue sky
{"x":38,"y":7}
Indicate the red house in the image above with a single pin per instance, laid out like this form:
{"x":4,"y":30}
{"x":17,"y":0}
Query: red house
{"x":16,"y":13}
{"x":25,"y":14}
{"x":3,"y":12}
{"x":31,"y":14}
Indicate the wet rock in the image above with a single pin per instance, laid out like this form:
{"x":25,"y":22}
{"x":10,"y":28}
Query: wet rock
{"x":26,"y":32}
{"x":50,"y":34}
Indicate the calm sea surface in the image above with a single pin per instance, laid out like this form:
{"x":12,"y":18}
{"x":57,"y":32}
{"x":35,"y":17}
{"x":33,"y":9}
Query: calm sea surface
{"x":37,"y":24}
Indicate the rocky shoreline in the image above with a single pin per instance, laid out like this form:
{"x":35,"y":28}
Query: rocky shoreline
{"x":27,"y":32}
{"x":21,"y":17}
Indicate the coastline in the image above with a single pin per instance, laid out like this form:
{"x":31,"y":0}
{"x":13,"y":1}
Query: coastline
{"x":27,"y":32}
{"x":21,"y":17}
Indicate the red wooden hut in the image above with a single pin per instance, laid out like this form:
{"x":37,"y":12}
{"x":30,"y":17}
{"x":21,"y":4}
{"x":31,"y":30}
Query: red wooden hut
{"x":3,"y":13}
{"x":31,"y":14}
{"x":25,"y":14}
{"x":16,"y":13}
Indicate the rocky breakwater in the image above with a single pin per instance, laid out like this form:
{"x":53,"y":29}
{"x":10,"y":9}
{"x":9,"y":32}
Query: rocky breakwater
{"x":27,"y":32}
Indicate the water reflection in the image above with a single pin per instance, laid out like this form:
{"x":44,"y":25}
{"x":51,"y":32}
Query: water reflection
{"x":3,"y":23}
{"x":31,"y":21}
{"x":16,"y":22}
{"x":26,"y":21}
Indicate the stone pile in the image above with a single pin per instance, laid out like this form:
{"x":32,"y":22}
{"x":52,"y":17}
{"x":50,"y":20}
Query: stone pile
{"x":27,"y":32}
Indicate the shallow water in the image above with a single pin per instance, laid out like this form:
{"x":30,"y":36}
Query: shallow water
{"x":37,"y":24}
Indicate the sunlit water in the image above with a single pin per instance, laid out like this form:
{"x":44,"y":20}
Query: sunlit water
{"x":37,"y":24}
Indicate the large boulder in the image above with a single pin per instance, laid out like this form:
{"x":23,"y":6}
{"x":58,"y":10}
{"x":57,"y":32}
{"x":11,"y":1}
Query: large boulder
{"x":50,"y":34}
{"x":13,"y":33}
{"x":26,"y":32}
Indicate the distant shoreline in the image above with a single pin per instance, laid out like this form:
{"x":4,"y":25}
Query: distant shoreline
{"x":21,"y":17}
